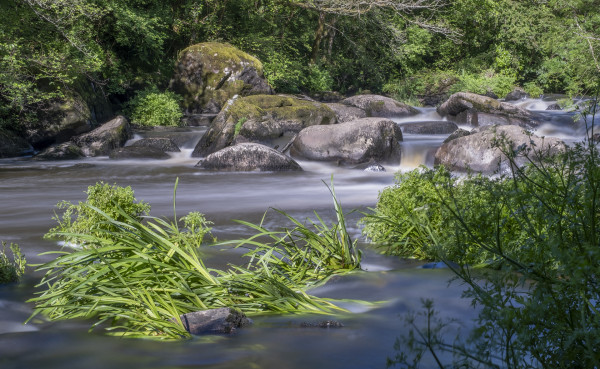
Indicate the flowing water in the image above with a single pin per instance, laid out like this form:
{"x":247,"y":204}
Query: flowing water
{"x":30,"y":190}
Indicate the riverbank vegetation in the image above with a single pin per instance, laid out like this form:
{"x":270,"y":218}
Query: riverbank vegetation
{"x":410,"y":49}
{"x":11,"y":270}
{"x":536,"y":231}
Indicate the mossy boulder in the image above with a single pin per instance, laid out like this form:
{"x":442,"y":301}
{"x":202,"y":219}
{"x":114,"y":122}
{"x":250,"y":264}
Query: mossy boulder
{"x":380,"y":106}
{"x":478,"y":111}
{"x":249,"y":157}
{"x":104,"y":139}
{"x":265,"y":119}
{"x":360,"y":141}
{"x":479,"y":150}
{"x":208,"y":74}
{"x":12,"y":145}
{"x":59,"y":121}
{"x":63,"y":151}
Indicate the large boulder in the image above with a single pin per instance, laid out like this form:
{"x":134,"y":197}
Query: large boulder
{"x":104,"y":139}
{"x":247,"y":157}
{"x":380,"y":106}
{"x":479,"y":150}
{"x":355,"y":142}
{"x":436,"y":127}
{"x":346,"y":113}
{"x":63,"y":151}
{"x":516,"y":94}
{"x":214,"y":321}
{"x":58,"y":121}
{"x":477,"y":110}
{"x":262,"y":119}
{"x":12,"y":145}
{"x":208,"y":74}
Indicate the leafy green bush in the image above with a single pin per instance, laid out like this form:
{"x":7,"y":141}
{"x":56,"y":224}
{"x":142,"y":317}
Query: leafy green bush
{"x":540,"y":308}
{"x":484,"y":82}
{"x":533,"y":89}
{"x":11,"y":271}
{"x":150,"y":107}
{"x":88,"y":218}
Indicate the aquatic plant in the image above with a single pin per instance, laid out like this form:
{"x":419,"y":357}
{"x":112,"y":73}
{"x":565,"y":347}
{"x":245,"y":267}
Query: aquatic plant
{"x":82,"y":219}
{"x":138,"y":280}
{"x":306,"y":253}
{"x":11,"y":270}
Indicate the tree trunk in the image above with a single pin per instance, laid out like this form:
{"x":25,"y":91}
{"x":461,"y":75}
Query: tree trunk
{"x":318,"y":36}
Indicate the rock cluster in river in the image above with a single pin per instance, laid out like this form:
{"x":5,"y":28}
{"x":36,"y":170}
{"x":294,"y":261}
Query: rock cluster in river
{"x":481,"y":150}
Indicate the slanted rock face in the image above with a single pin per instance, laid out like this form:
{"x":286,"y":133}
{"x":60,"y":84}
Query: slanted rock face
{"x":355,"y":142}
{"x":477,"y":151}
{"x":262,"y":119}
{"x":208,"y":74}
{"x":346,"y":113}
{"x":438,"y":127}
{"x":380,"y":106}
{"x":12,"y":145}
{"x":477,"y":110}
{"x":102,"y":140}
{"x":247,"y":157}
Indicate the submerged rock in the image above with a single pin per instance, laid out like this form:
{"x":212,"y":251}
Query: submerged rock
{"x":380,"y":106}
{"x":63,"y":151}
{"x":161,"y":143}
{"x":104,"y":139}
{"x":246,"y":157}
{"x":208,"y":74}
{"x":359,"y":141}
{"x":478,"y":111}
{"x":322,"y":324}
{"x":438,"y":127}
{"x":262,"y":119}
{"x":139,"y":152}
{"x":479,"y":152}
{"x":214,"y":321}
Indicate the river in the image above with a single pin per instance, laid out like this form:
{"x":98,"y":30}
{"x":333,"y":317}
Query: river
{"x":29,"y":191}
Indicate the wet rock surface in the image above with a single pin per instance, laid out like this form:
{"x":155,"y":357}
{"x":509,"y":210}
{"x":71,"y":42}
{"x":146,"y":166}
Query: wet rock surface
{"x":161,"y":143}
{"x":380,"y":106}
{"x":138,"y":152}
{"x":429,"y":128}
{"x":359,"y":141}
{"x":246,"y":157}
{"x":214,"y":321}
{"x":102,"y":140}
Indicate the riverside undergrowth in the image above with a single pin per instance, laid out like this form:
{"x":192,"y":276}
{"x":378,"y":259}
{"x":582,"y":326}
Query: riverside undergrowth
{"x":136,"y":275}
{"x":537,"y":230}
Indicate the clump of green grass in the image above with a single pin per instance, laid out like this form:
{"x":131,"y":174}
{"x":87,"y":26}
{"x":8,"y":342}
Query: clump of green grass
{"x":306,"y":253}
{"x":136,"y":276}
{"x":11,"y":270}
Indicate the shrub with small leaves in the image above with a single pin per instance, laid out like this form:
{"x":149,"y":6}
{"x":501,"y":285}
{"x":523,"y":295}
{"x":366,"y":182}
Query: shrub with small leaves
{"x":150,"y":107}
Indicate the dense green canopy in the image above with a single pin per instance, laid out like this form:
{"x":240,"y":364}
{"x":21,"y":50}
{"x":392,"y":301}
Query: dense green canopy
{"x":49,"y":48}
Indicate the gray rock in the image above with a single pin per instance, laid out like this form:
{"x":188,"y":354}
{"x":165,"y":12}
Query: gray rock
{"x":355,"y":142}
{"x":104,"y":139}
{"x":380,"y":106}
{"x":478,"y":151}
{"x":63,"y":151}
{"x":477,"y":110}
{"x":346,"y":113}
{"x":138,"y":152}
{"x":208,"y":74}
{"x":12,"y":145}
{"x":456,"y":134}
{"x":517,"y":94}
{"x":246,"y":157}
{"x":438,"y":127}
{"x":198,"y":120}
{"x":322,"y":324}
{"x":214,"y":321}
{"x":554,"y":107}
{"x":160,"y":143}
{"x":264,"y":119}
